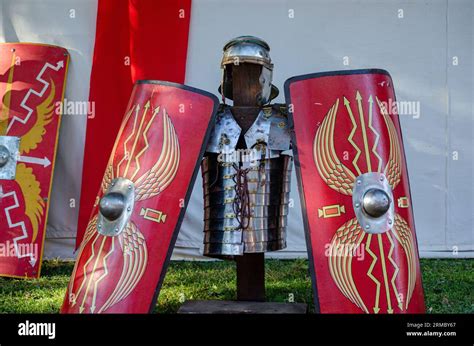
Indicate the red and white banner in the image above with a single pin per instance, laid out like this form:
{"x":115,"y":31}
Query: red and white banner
{"x":135,"y":39}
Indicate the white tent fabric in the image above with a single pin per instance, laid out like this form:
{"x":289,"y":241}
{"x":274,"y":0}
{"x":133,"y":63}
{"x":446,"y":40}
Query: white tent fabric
{"x":426,"y":46}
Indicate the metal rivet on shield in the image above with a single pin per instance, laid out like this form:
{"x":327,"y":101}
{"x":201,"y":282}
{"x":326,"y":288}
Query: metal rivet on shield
{"x":129,"y":187}
{"x":381,"y":178}
{"x":128,"y":209}
{"x":359,"y":182}
{"x":367,"y":226}
{"x":390,"y":221}
{"x":99,"y":226}
{"x":357,"y":205}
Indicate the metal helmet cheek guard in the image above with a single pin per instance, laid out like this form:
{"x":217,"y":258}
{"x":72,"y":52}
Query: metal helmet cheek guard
{"x":248,"y":50}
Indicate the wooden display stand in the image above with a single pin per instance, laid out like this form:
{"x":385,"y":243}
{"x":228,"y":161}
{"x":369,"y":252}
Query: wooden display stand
{"x":245,"y":88}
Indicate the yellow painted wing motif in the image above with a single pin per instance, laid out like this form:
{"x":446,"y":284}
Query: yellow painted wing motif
{"x":90,"y":231}
{"x":135,"y":258}
{"x":347,"y":238}
{"x":336,"y":175}
{"x":31,"y":189}
{"x":44,"y":112}
{"x":393,"y":169}
{"x":404,"y":236}
{"x":155,"y":180}
{"x":108,"y":177}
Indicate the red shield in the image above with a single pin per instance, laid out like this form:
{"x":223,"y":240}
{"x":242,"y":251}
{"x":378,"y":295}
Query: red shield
{"x":32,"y":83}
{"x":157,"y":153}
{"x":345,"y":133}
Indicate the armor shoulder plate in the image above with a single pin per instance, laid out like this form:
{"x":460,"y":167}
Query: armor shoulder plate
{"x":225,"y":134}
{"x":270,"y":128}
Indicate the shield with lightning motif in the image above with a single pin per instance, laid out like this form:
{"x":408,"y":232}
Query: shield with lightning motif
{"x":145,"y":190}
{"x":354,"y":189}
{"x":32,"y":84}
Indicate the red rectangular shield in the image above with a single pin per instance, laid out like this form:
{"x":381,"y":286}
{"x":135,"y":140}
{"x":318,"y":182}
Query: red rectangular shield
{"x":145,"y":190}
{"x":32,"y":85}
{"x":355,"y":193}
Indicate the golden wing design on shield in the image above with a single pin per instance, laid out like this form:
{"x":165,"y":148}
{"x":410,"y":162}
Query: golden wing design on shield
{"x":404,"y":236}
{"x":336,"y":175}
{"x":350,"y":235}
{"x":29,"y":185}
{"x":108,"y":177}
{"x":347,"y":238}
{"x":135,"y":257}
{"x":393,"y":169}
{"x":91,"y":231}
{"x":31,"y":189}
{"x":150,"y":184}
{"x":109,"y":172}
{"x":155,"y":180}
{"x":44,"y":115}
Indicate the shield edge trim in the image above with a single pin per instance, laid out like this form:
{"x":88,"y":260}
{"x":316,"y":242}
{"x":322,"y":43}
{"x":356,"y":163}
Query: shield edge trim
{"x":53,"y":161}
{"x":193,"y":176}
{"x":304,"y":213}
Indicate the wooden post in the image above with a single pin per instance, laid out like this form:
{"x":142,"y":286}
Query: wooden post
{"x":245,"y":88}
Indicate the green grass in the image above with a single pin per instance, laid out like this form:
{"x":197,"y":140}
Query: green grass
{"x":449,"y":285}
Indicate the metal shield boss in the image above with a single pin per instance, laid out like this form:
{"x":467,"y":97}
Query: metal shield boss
{"x":32,"y":84}
{"x":145,"y":190}
{"x":355,"y":193}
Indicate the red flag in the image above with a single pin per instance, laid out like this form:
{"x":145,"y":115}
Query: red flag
{"x":135,"y":39}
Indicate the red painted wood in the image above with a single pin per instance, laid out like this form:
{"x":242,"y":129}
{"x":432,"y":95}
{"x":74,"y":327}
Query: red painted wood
{"x":133,"y":264}
{"x":311,"y":98}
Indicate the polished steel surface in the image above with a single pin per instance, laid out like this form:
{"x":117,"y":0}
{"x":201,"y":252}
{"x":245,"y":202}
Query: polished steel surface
{"x":236,"y":237}
{"x":265,"y":246}
{"x":267,"y":193}
{"x":225,"y":134}
{"x":116,"y":207}
{"x":225,"y":237}
{"x":247,"y":191}
{"x":4,"y":155}
{"x":375,"y":202}
{"x":254,"y":223}
{"x":220,"y":250}
{"x":112,"y":205}
{"x":248,"y":50}
{"x":254,"y":199}
{"x":211,"y":163}
{"x":9,"y":151}
{"x":227,"y":211}
{"x":254,"y":187}
{"x":372,"y":199}
{"x":223,"y":250}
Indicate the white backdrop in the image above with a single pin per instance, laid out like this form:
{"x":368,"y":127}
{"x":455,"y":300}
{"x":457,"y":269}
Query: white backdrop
{"x":427,"y":46}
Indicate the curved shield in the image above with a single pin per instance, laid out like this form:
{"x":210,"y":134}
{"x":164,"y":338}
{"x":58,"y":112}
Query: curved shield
{"x":355,"y":193}
{"x":145,"y":190}
{"x":32,"y":84}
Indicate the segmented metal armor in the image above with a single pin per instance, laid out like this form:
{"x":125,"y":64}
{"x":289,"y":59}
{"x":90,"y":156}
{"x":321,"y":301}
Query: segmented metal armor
{"x":247,"y":191}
